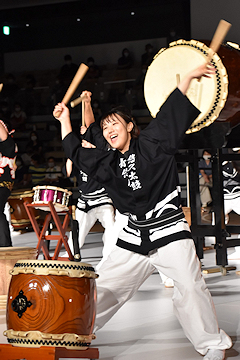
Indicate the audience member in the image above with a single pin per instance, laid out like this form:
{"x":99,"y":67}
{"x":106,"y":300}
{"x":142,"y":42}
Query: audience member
{"x":147,"y":57}
{"x":36,"y":171}
{"x":35,"y":145}
{"x":58,"y":90}
{"x":68,"y":70}
{"x":53,"y":172}
{"x":94,"y":71}
{"x":205,"y":178}
{"x":126,"y":60}
{"x":18,"y":117}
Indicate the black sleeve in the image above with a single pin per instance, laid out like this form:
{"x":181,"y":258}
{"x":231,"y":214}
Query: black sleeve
{"x":94,"y":162}
{"x":173,"y":119}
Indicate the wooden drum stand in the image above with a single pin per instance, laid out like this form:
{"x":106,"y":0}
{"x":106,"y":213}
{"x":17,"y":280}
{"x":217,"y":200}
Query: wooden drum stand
{"x":42,"y":234}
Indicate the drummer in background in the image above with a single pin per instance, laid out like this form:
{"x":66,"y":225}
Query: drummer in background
{"x":53,"y":172}
{"x":141,"y":177}
{"x":93,"y":202}
{"x":8,"y":151}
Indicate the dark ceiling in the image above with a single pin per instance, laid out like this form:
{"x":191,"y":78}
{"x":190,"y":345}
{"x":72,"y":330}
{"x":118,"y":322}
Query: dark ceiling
{"x":101,"y":21}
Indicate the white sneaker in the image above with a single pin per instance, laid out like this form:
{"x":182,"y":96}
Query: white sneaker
{"x":215,"y":354}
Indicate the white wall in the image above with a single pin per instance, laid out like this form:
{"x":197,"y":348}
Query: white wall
{"x":206,"y":14}
{"x":54,"y":58}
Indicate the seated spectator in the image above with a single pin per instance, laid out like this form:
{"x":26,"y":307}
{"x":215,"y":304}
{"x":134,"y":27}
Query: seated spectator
{"x":21,"y":174}
{"x":205,"y":179}
{"x":53,"y":172}
{"x":18,"y":117}
{"x":34,"y":145}
{"x":94,"y":71}
{"x":147,"y":57}
{"x":125,"y":61}
{"x":58,"y":90}
{"x":68,"y":70}
{"x":26,"y":157}
{"x":36,"y":171}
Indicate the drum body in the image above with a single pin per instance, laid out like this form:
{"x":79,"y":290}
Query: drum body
{"x":19,"y":216}
{"x":8,"y":257}
{"x":171,"y":65}
{"x":51,"y":303}
{"x":58,"y":196}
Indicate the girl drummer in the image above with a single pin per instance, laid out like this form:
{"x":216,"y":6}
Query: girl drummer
{"x":141,"y":178}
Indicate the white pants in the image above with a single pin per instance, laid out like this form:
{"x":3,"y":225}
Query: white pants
{"x":86,"y":220}
{"x":123,"y":272}
{"x":121,"y":221}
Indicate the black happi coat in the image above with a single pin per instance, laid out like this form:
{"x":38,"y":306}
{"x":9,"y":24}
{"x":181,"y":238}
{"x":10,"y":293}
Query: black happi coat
{"x":143,"y":181}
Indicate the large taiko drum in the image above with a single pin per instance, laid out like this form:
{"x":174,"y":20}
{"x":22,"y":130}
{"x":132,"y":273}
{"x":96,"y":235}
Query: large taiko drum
{"x":8,"y":258}
{"x":51,"y":303}
{"x":45,"y":193}
{"x":19,"y":216}
{"x":171,"y":65}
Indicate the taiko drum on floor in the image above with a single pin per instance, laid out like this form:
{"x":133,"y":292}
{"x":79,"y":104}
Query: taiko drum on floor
{"x":51,"y":303}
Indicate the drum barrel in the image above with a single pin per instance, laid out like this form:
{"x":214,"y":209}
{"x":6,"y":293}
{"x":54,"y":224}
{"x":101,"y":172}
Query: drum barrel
{"x":19,"y":217}
{"x":59,"y":304}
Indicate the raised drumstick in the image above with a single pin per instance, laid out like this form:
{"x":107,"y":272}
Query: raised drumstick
{"x":220,"y":33}
{"x":82,"y":70}
{"x":77,"y":101}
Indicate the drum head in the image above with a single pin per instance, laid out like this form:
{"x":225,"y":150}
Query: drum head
{"x":169,"y":65}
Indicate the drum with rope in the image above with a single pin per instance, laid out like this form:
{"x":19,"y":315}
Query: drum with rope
{"x":170,"y":65}
{"x":51,"y":303}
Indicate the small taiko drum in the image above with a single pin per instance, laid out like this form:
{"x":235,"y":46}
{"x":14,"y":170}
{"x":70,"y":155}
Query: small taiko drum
{"x":51,"y":303}
{"x":170,"y":65}
{"x":58,"y":196}
{"x":19,"y":216}
{"x":8,"y":258}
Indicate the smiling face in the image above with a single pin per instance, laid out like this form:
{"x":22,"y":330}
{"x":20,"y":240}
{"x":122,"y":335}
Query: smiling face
{"x":117,"y":132}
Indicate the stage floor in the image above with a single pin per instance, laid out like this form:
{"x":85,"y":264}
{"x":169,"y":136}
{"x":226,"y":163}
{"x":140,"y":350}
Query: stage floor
{"x":145,"y":327}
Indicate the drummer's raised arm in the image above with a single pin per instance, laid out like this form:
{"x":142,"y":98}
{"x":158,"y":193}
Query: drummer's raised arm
{"x":203,"y":70}
{"x":88,"y":113}
{"x":64,"y":118}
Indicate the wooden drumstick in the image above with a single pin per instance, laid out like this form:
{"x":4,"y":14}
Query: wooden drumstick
{"x":1,"y":86}
{"x":82,"y":70}
{"x":77,"y":101}
{"x":217,"y":39}
{"x":220,"y":33}
{"x":83,"y":113}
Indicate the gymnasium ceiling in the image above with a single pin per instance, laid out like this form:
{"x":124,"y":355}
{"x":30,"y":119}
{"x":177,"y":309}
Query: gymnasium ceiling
{"x":46,"y":24}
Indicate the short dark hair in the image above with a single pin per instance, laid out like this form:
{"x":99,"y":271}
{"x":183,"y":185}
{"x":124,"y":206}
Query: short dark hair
{"x":125,"y":114}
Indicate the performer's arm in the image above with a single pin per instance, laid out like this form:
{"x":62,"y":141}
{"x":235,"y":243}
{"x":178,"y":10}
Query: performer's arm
{"x":64,"y":119}
{"x":89,"y":117}
{"x":203,"y":70}
{"x":69,"y":164}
